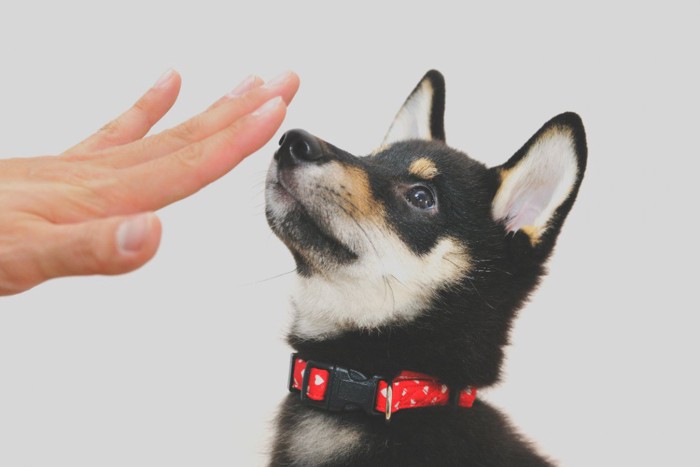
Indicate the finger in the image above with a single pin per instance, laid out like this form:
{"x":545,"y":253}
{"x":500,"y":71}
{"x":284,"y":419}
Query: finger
{"x":137,"y":121}
{"x":215,"y":119}
{"x":111,"y":245}
{"x":251,"y":82}
{"x":150,"y":186}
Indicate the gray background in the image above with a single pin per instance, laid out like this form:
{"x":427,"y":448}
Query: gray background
{"x":183,"y":362}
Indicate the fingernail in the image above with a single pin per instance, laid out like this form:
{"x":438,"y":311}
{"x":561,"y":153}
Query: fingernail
{"x":277,"y":80}
{"x":164,"y":78}
{"x":244,"y":86}
{"x":133,"y":232}
{"x":268,"y":106}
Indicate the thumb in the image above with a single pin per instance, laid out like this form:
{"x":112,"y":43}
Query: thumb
{"x":114,"y":245}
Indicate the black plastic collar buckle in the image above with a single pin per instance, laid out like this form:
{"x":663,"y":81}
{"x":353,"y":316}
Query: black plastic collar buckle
{"x":346,"y":389}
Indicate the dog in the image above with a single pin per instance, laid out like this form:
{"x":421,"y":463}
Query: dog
{"x":411,"y":264}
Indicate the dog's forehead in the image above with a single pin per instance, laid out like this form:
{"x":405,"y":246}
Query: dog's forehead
{"x":420,"y":159}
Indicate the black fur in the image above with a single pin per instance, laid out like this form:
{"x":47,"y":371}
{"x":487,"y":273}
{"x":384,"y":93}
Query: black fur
{"x":437,"y":112}
{"x":460,"y":337}
{"x":441,"y":436}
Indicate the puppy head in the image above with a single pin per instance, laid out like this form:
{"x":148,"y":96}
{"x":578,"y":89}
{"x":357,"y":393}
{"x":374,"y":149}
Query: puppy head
{"x":383,"y":240}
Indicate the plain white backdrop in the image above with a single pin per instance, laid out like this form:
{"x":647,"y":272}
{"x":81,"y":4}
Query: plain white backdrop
{"x":183,"y":362}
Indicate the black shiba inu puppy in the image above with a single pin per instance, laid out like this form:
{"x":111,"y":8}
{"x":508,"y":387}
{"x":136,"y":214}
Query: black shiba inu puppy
{"x":411,"y":265}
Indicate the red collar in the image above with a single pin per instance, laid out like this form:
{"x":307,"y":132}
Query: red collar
{"x":336,"y":388}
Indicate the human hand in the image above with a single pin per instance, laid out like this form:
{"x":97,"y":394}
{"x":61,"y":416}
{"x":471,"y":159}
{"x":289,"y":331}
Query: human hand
{"x":90,"y":209}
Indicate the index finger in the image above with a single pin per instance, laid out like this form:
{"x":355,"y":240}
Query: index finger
{"x":136,"y":122}
{"x":159,"y":182}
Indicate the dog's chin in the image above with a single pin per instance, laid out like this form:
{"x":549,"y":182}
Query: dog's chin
{"x":314,"y":247}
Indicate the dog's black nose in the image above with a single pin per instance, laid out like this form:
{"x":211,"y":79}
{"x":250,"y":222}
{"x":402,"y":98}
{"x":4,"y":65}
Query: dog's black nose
{"x":298,"y":146}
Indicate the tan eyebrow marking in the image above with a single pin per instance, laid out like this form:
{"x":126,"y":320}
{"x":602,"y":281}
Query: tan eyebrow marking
{"x":423,"y":168}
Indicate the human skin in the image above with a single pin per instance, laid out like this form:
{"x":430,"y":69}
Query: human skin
{"x":90,"y":210}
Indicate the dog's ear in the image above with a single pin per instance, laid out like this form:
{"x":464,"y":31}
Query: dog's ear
{"x":538,"y":185}
{"x":422,"y":115}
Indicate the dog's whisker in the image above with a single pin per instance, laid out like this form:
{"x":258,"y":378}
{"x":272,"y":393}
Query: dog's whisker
{"x":268,"y":279}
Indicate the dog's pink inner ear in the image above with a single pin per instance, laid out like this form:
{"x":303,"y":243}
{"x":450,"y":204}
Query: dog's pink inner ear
{"x":537,"y":184}
{"x":525,"y":209}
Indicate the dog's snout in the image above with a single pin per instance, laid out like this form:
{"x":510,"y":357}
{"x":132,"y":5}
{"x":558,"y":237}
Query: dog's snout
{"x":299,"y":146}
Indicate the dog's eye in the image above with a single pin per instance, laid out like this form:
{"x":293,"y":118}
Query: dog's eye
{"x":420,"y":197}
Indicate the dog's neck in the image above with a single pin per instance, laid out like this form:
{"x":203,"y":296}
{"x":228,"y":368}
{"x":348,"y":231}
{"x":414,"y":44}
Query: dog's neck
{"x":457,"y":335}
{"x":390,"y":351}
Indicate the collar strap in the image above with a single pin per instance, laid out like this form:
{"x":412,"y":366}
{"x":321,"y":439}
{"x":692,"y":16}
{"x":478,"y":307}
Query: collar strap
{"x":335,"y":388}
